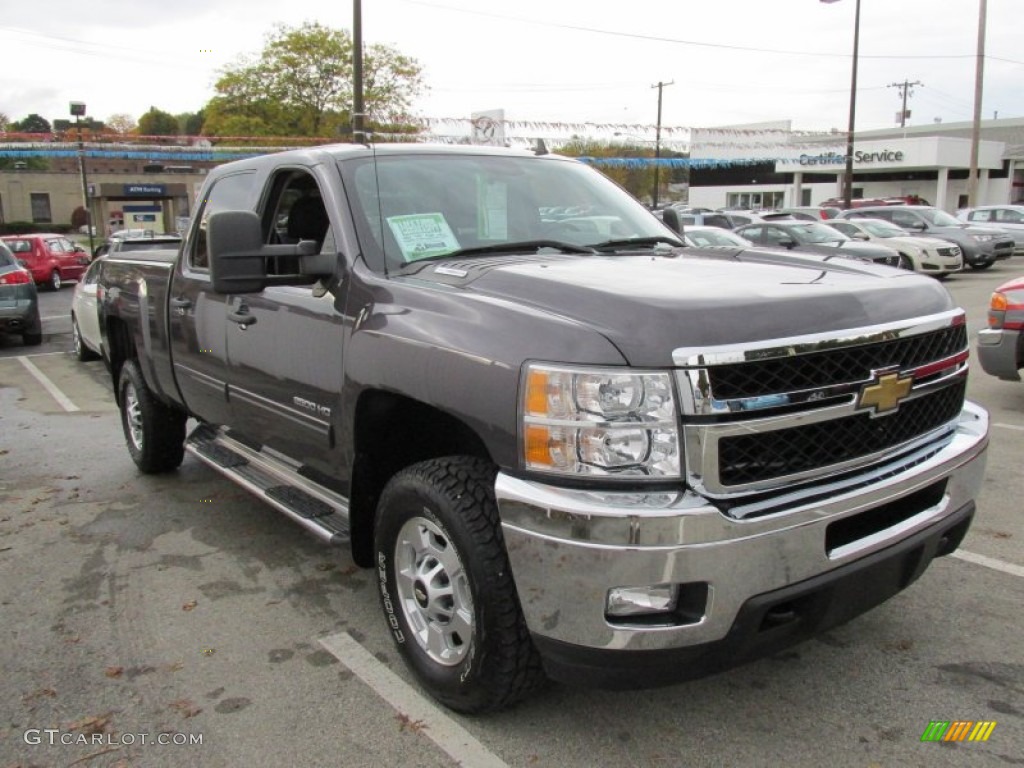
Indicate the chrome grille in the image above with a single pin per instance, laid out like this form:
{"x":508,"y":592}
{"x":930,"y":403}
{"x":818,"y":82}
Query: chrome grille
{"x":823,"y":369}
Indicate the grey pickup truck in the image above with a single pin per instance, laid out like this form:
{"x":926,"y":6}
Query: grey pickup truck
{"x":568,"y":447}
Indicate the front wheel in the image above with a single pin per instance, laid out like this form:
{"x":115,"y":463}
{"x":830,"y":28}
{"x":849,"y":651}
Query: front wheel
{"x":446,"y":586}
{"x":982,"y":264}
{"x":905,"y":262}
{"x":155,"y":432}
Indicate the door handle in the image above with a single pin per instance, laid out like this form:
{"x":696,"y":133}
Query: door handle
{"x":243,"y":318}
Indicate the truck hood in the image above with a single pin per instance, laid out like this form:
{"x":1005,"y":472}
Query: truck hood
{"x":648,"y":305}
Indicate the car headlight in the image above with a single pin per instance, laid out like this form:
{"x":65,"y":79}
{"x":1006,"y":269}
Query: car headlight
{"x":599,"y":422}
{"x":984,"y":238}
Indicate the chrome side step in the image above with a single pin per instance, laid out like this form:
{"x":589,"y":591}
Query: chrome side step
{"x":278,"y":483}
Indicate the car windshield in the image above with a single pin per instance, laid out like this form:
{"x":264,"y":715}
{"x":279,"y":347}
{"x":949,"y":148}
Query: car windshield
{"x":883,"y":229}
{"x":939,"y":218}
{"x":712,"y":237}
{"x":817,"y":233}
{"x":413,"y":207}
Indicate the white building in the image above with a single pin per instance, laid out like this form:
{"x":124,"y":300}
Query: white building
{"x":766,"y":165}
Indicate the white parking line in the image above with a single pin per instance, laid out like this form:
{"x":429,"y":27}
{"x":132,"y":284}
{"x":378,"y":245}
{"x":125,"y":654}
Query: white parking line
{"x":460,"y":745}
{"x":63,"y":400}
{"x":1009,"y":426}
{"x":990,"y":562}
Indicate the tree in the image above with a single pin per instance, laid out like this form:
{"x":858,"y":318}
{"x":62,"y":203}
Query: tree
{"x":156,"y":122}
{"x":5,"y":122}
{"x":190,"y":123}
{"x":301,"y":84}
{"x":33,"y":124}
{"x":122,"y":124}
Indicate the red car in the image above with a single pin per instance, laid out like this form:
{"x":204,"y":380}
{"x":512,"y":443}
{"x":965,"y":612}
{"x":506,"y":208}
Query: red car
{"x":51,"y":259}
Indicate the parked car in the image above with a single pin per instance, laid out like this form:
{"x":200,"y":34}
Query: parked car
{"x":147,"y":241}
{"x":815,"y":238}
{"x":1001,"y":345}
{"x":52,"y":259}
{"x":931,"y":255}
{"x":713,"y":237}
{"x":864,"y":202}
{"x":85,"y":325}
{"x":1006,"y":217}
{"x":19,"y":302}
{"x":812,"y":212}
{"x":981,"y":246}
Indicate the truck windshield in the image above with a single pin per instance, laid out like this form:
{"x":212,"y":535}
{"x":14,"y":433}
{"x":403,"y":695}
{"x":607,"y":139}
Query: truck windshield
{"x":412,"y":207}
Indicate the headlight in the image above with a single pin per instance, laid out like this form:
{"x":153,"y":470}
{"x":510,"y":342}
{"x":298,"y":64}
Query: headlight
{"x":984,"y":238}
{"x":599,"y":422}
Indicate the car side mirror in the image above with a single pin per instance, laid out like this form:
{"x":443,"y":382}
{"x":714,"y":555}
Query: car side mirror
{"x":918,"y":226}
{"x":859,"y":236}
{"x":671,"y":218}
{"x":788,"y":244}
{"x":240,"y":262}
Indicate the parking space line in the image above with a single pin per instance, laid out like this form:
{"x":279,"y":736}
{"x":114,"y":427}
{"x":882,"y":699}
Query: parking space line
{"x":63,"y":400}
{"x":990,"y":562}
{"x":455,"y":740}
{"x":1009,"y":426}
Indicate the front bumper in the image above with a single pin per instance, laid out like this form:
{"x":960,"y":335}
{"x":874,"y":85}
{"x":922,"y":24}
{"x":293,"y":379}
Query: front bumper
{"x":1000,"y":354}
{"x":568,"y":548}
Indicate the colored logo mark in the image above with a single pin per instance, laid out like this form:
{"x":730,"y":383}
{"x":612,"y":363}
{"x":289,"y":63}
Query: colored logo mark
{"x":958,"y":730}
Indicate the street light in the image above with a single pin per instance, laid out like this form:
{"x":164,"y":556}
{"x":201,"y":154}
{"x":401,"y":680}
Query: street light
{"x":848,"y":181}
{"x":78,"y":112}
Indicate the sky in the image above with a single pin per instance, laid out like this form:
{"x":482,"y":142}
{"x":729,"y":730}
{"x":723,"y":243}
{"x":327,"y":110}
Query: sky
{"x":724,"y":62}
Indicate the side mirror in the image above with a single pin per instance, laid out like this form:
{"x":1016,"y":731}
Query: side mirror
{"x":239,"y":259}
{"x":918,"y":226}
{"x":671,"y":219}
{"x":788,"y":244}
{"x":859,"y":236}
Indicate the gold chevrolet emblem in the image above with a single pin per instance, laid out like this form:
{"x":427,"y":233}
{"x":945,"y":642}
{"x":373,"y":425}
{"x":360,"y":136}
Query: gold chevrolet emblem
{"x":885,"y":395}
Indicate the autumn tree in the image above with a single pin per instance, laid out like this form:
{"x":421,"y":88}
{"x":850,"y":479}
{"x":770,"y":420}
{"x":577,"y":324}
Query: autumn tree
{"x":121,"y":124}
{"x":156,"y":122}
{"x":301,"y":84}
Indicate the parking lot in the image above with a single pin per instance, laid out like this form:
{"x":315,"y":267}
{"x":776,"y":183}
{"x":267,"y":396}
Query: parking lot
{"x":137,"y":610}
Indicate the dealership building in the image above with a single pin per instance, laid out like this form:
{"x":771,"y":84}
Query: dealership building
{"x":768,"y":165}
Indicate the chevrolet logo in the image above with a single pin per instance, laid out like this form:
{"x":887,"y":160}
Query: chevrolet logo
{"x":885,"y":394}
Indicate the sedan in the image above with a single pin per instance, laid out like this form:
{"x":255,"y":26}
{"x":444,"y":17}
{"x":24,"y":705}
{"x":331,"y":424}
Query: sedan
{"x":1001,"y":345}
{"x":816,"y":238}
{"x":19,"y":303}
{"x":85,"y":323}
{"x":930,"y":255}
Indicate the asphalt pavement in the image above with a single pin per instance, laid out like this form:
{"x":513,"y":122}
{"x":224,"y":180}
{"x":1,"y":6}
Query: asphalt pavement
{"x":174,"y":620}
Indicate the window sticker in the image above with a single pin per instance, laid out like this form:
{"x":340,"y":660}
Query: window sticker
{"x":492,"y":205}
{"x":422,"y":235}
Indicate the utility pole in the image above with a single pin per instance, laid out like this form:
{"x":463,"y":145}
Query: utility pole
{"x":657,"y":144}
{"x":358,"y":112}
{"x":905,"y":87}
{"x":979,"y":76}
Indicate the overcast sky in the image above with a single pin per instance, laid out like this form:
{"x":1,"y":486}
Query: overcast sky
{"x":573,"y":61}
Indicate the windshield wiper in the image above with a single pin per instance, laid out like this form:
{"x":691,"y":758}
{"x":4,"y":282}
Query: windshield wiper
{"x":522,"y":246}
{"x":637,"y":242}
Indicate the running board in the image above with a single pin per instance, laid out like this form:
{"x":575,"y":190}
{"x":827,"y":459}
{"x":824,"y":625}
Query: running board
{"x":274,"y":480}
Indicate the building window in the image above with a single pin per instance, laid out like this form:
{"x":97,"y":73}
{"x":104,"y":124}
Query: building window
{"x":755,"y":201}
{"x":41,"y":207}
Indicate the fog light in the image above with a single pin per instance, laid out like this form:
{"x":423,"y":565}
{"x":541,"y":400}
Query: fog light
{"x":635,"y":601}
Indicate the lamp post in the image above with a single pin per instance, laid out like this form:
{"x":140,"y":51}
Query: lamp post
{"x":78,"y":111}
{"x":848,"y":180}
{"x":657,"y":145}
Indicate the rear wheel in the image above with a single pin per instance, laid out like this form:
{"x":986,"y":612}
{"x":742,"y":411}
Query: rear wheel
{"x":55,"y":282}
{"x":446,"y":586}
{"x":155,"y":432}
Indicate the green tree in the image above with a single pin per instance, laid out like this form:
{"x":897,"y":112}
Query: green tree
{"x":190,"y":123}
{"x":156,"y":122}
{"x":33,"y":124}
{"x":301,"y":84}
{"x":5,"y":122}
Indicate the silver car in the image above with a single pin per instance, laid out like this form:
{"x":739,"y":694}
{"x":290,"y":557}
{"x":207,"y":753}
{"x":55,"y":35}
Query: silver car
{"x":1006,"y":217}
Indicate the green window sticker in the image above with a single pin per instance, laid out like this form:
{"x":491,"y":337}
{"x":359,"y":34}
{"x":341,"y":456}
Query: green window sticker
{"x":422,"y":235}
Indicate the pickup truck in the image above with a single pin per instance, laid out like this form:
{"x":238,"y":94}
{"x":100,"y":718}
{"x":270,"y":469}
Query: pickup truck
{"x":580,"y":453}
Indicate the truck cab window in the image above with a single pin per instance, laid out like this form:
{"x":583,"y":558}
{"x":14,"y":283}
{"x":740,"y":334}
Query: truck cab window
{"x":232,"y":193}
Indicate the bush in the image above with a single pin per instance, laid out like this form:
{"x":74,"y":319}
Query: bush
{"x":28,"y":228}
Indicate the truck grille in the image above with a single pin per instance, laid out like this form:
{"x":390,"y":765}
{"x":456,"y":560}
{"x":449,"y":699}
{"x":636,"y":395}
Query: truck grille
{"x":765,"y":455}
{"x":823,"y":369}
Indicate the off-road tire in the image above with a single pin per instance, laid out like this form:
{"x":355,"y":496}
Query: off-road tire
{"x":154,"y":432}
{"x":450,"y":502}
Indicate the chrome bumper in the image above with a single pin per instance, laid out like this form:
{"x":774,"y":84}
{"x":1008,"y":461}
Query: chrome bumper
{"x":568,"y":548}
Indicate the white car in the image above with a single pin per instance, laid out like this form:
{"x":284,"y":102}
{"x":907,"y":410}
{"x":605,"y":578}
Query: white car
{"x":1007,"y":217}
{"x":85,"y":321}
{"x":928,"y":255}
{"x":699,"y":236}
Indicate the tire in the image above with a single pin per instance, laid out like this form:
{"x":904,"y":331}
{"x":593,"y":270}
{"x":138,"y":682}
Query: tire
{"x":905,"y":262}
{"x":443,"y":573}
{"x":82,"y":352}
{"x":55,"y":282}
{"x":982,"y":264}
{"x":155,"y":433}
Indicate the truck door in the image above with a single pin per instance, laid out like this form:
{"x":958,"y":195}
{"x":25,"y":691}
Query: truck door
{"x":284,"y":343}
{"x":198,"y":316}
